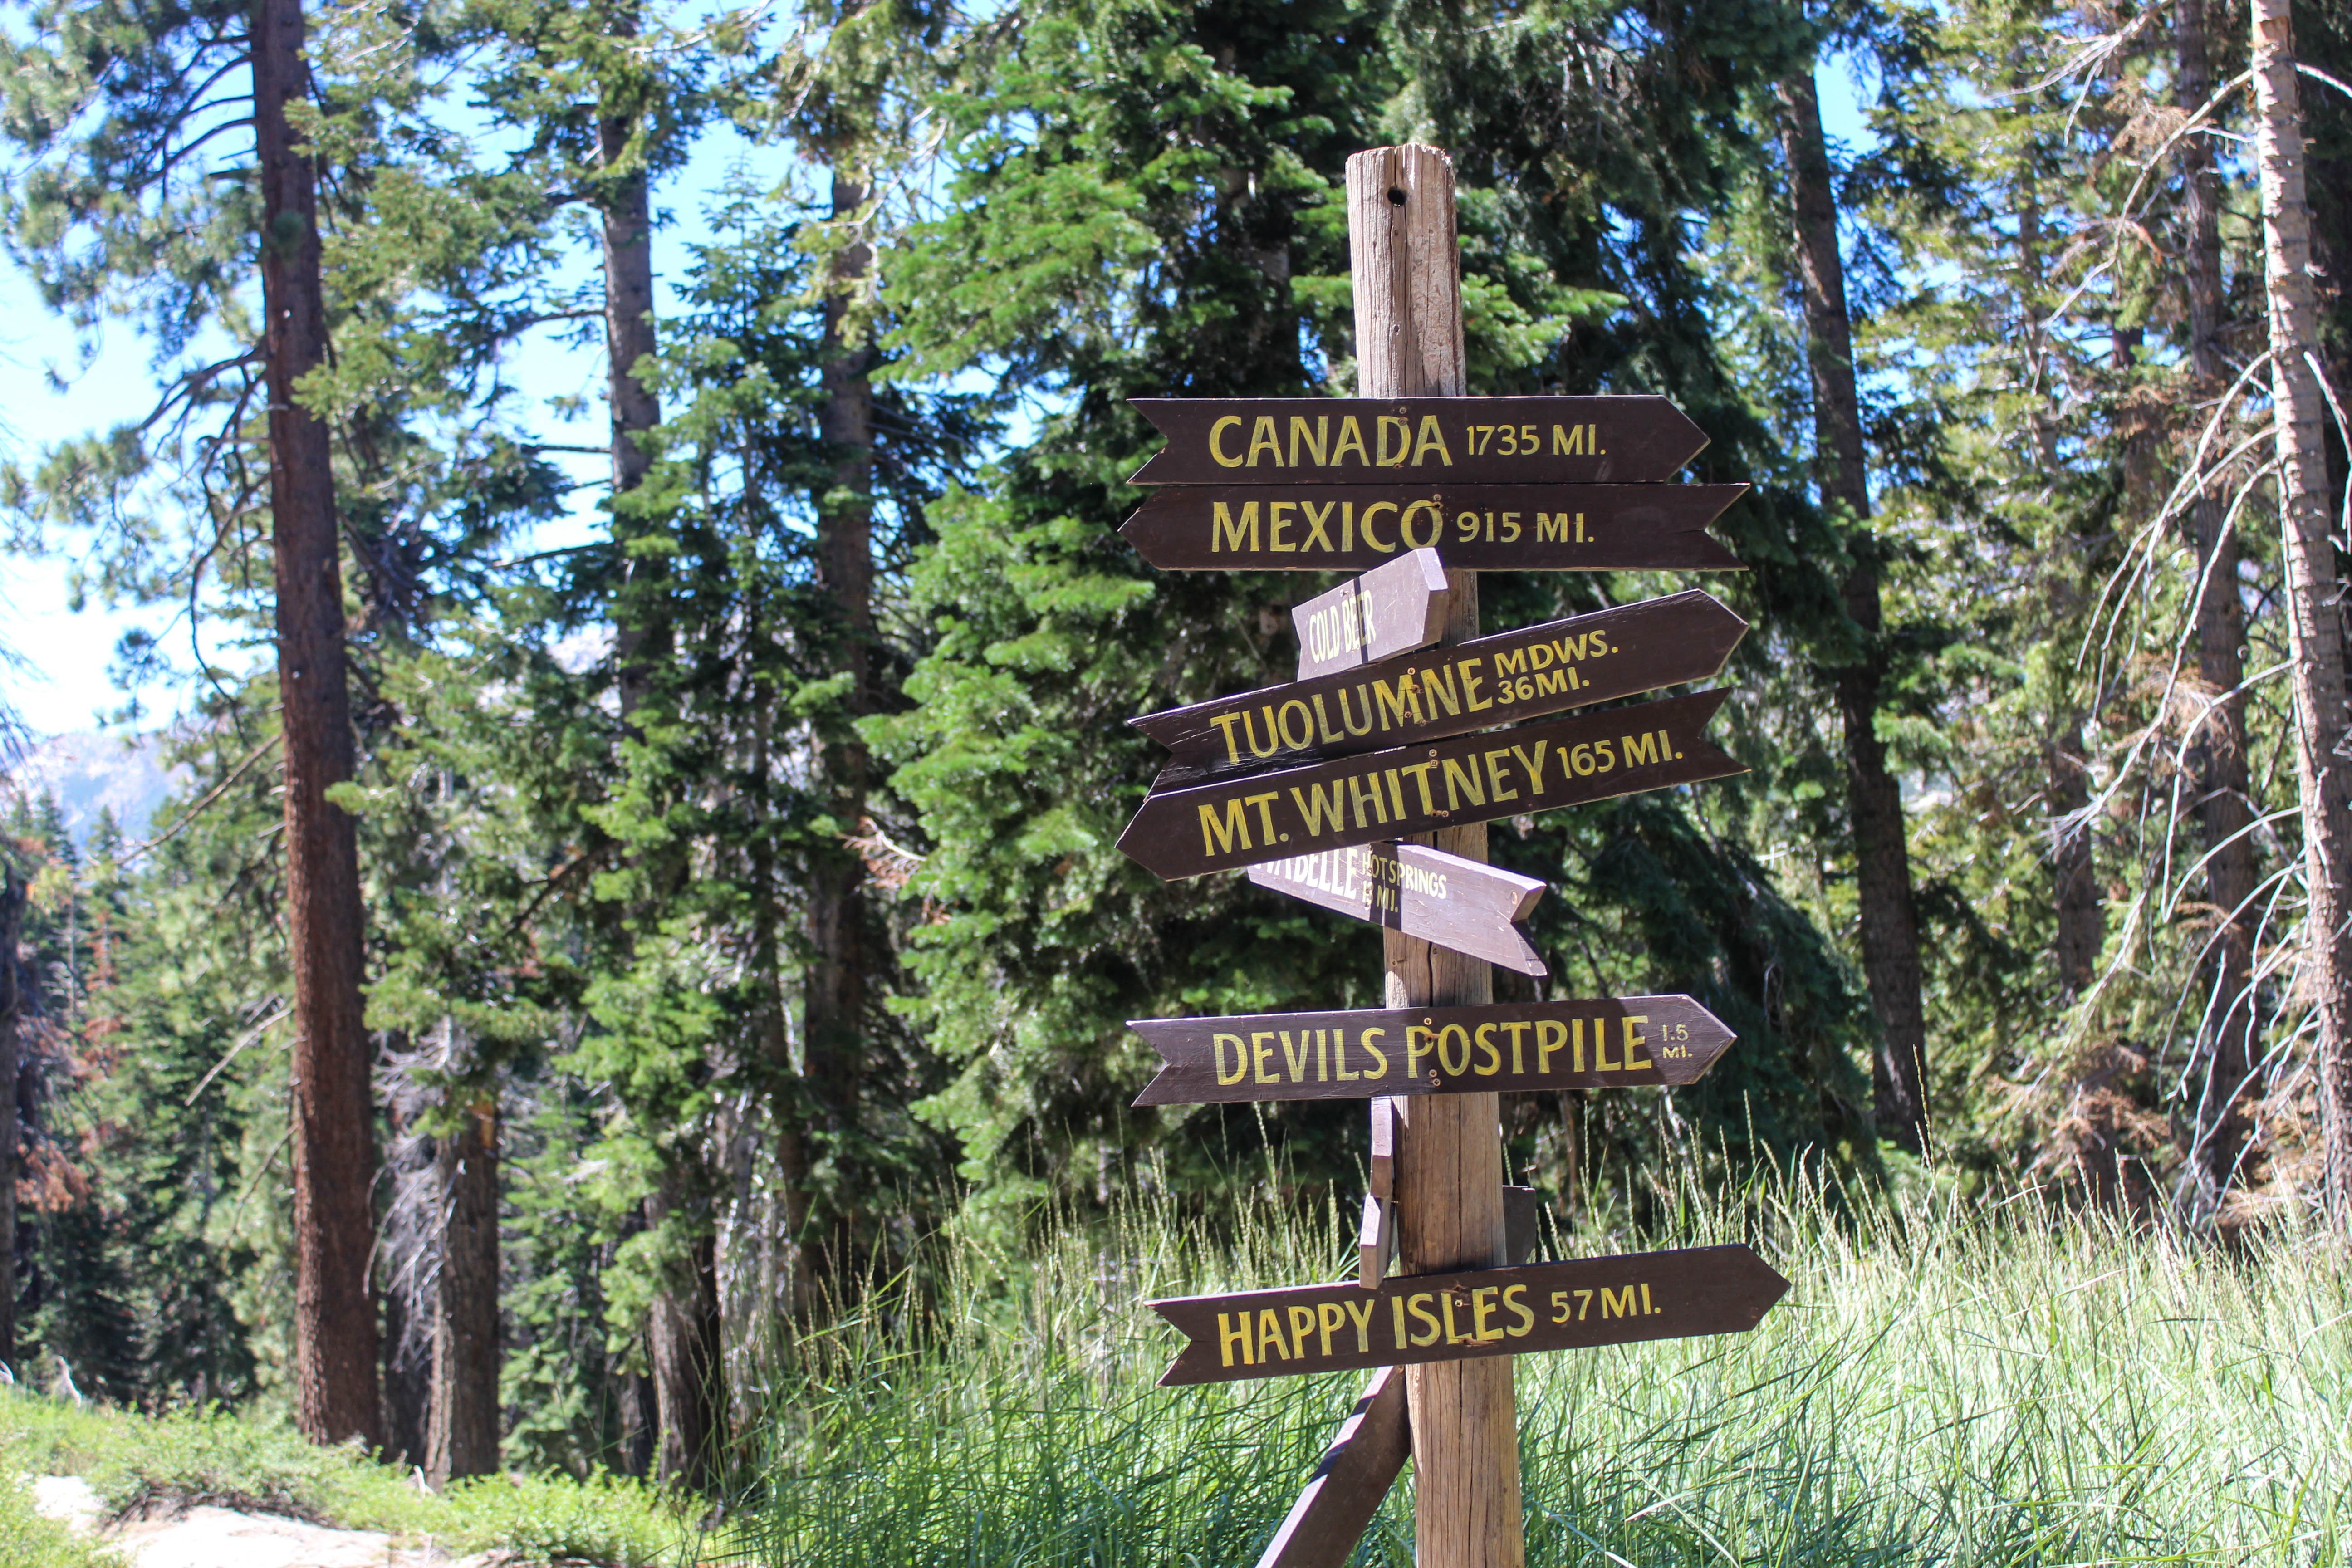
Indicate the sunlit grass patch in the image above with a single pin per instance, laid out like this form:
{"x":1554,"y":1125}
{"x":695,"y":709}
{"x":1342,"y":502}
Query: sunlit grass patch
{"x":1941,"y":1386}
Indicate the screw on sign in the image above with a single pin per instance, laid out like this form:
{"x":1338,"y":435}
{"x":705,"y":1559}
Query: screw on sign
{"x":1311,"y":786}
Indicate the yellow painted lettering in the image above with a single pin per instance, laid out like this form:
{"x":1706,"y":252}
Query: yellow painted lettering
{"x":1226,"y":532}
{"x":1352,"y":439}
{"x":1216,"y":436}
{"x":1431,"y":437}
{"x":1314,"y":439}
{"x":1262,"y":439}
{"x":1240,"y":1057}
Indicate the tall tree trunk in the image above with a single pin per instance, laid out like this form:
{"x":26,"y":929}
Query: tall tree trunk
{"x":834,"y":988}
{"x":2217,"y":756}
{"x":2082,"y":917}
{"x":682,"y":1341}
{"x":334,"y":1156}
{"x":789,"y":1279}
{"x":463,"y":1439}
{"x":642,"y":634}
{"x":2315,"y":629}
{"x":1890,"y":927}
{"x":684,"y":1313}
{"x":12,"y":916}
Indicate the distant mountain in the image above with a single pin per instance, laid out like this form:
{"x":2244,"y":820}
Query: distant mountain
{"x":90,"y":773}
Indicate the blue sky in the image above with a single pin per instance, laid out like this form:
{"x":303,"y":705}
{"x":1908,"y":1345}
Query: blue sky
{"x":62,"y":685}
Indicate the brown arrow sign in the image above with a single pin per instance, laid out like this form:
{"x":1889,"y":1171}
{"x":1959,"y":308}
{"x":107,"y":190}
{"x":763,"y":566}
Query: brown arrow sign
{"x":1482,"y":440}
{"x":1418,"y":789}
{"x":1458,"y":904}
{"x":1477,"y":527}
{"x":1435,"y":692}
{"x":1599,"y":1042}
{"x":1390,"y":610}
{"x":1587,"y":1301}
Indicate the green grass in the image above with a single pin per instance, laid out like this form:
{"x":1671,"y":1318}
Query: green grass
{"x":1941,"y":1386}
{"x":141,"y":1466}
{"x":28,"y":1541}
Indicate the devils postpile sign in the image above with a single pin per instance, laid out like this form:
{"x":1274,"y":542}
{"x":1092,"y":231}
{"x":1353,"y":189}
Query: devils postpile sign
{"x":1600,"y":1042}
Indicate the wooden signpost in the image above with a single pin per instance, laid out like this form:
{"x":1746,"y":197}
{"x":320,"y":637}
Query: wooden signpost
{"x":1311,"y":786}
{"x":1390,"y":610}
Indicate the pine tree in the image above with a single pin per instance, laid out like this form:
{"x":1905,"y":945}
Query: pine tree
{"x":2323,"y":763}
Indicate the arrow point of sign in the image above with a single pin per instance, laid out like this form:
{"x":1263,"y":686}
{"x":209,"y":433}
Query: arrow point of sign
{"x":1766,"y":1278}
{"x":1710,"y":1038}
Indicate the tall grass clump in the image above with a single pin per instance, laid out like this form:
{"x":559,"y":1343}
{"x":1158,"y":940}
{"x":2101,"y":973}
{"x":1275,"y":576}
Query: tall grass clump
{"x":1944,"y":1383}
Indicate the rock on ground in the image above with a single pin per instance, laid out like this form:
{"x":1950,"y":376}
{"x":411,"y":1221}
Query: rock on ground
{"x":224,"y":1538}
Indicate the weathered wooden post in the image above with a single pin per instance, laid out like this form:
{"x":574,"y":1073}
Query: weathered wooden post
{"x":1362,"y":787}
{"x":1465,"y":1435}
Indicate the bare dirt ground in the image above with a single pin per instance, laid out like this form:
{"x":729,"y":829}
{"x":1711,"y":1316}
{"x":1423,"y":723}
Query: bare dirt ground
{"x":223,"y":1538}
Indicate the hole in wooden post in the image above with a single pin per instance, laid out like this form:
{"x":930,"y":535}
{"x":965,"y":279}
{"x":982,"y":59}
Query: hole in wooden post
{"x":1396,"y":196}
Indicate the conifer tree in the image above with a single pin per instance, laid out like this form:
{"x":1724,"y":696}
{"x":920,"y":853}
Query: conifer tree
{"x":119,"y":113}
{"x":1890,"y":930}
{"x":2314,"y":618}
{"x":12,"y":1008}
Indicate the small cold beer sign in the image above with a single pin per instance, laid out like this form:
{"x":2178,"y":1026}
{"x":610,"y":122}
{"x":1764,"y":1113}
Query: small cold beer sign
{"x":1461,"y":905}
{"x":1395,"y":609}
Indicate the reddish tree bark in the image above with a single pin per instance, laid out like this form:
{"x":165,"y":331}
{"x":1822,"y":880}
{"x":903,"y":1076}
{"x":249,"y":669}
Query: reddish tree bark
{"x":462,"y":1437}
{"x":12,"y":915}
{"x":334,"y":1153}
